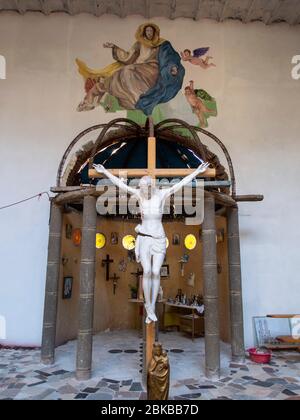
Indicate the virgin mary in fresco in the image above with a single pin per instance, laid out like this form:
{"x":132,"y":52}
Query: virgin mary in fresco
{"x":149,"y":74}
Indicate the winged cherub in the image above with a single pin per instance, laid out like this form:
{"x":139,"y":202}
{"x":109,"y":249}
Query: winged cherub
{"x":197,"y":59}
{"x":198,"y":106}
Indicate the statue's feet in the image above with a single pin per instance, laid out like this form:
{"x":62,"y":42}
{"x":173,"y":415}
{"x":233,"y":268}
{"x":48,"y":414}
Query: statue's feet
{"x":151,"y":317}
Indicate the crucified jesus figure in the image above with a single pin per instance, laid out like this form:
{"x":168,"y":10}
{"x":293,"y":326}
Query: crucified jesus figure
{"x":151,"y":243}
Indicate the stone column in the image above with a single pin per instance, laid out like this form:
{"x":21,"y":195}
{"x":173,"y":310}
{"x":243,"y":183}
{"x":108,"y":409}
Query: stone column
{"x":52,"y":283}
{"x":235,"y":286}
{"x":211,"y":295}
{"x":87,"y":288}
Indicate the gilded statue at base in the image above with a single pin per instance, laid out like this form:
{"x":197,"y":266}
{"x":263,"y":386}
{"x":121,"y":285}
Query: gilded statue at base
{"x":158,"y":375}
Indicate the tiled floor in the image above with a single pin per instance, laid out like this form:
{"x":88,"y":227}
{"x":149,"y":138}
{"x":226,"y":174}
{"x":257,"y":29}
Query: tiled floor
{"x":116,"y":373}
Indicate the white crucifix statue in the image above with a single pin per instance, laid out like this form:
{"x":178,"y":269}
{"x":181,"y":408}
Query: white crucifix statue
{"x":151,"y":243}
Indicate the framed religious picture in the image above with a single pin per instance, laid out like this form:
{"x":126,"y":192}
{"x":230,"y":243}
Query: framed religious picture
{"x":176,"y":239}
{"x":114,"y":238}
{"x":131,"y":256}
{"x":76,"y":237}
{"x":165,"y":271}
{"x":67,"y":288}
{"x":69,"y":231}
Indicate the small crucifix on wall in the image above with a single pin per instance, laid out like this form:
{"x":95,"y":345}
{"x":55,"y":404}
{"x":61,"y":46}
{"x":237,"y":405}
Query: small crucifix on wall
{"x":106,"y":263}
{"x":184,"y":260}
{"x":137,"y":274}
{"x":115,"y":279}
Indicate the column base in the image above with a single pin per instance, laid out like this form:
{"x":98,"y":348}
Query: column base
{"x":238,"y":359}
{"x":212,"y":375}
{"x":47,"y":361}
{"x":83,"y":375}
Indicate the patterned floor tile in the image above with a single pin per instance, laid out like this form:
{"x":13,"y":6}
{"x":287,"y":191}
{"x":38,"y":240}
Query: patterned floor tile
{"x":117,"y":376}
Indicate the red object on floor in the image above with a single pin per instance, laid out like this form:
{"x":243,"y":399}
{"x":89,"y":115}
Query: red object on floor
{"x":262,"y":359}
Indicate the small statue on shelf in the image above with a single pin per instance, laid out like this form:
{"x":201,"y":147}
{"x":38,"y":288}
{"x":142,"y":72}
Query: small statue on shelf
{"x":158,"y":375}
{"x":179,"y":296}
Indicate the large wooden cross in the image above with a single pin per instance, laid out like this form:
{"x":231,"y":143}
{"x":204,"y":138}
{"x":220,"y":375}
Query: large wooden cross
{"x":152,"y":170}
{"x":106,"y":263}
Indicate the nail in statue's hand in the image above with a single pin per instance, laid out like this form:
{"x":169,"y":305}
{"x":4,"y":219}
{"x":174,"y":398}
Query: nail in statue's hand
{"x":99,"y":168}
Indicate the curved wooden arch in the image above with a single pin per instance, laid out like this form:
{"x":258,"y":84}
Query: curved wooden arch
{"x":132,"y":131}
{"x":113,"y":124}
{"x":177,"y":123}
{"x":101,"y":137}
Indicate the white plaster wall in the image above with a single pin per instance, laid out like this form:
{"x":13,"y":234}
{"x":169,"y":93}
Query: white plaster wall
{"x":258,"y":121}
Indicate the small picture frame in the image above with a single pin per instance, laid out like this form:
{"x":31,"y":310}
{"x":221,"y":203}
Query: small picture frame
{"x":165,"y":271}
{"x":67,"y":288}
{"x":176,"y":239}
{"x":114,"y":238}
{"x":69,"y":231}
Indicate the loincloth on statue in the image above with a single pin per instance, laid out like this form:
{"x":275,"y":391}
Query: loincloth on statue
{"x":149,"y":246}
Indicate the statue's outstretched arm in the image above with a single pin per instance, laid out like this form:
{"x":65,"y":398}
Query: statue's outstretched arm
{"x":177,"y":187}
{"x":116,"y":181}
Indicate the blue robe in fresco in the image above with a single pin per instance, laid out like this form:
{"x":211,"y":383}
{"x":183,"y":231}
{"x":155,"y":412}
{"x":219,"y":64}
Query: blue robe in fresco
{"x":168,"y":84}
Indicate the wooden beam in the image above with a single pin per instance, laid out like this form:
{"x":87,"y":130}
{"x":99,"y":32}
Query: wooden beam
{"x":69,"y":7}
{"x":207,"y":184}
{"x":223,"y":14}
{"x":284,"y":316}
{"x":148,"y":9}
{"x":248,"y":16}
{"x":76,"y":196}
{"x":45,"y":7}
{"x":72,"y":196}
{"x":160,"y":173}
{"x":271,"y":16}
{"x":173,"y":6}
{"x":148,"y":346}
{"x":20,"y":7}
{"x":198,"y":12}
{"x":249,"y":198}
{"x":58,"y":190}
{"x":99,"y":8}
{"x":152,"y":156}
{"x":123,"y":12}
{"x":221,"y":198}
{"x":295,"y":19}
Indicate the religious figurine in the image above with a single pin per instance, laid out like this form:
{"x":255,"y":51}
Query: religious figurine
{"x":179,"y":296}
{"x":151,"y":243}
{"x":197,"y":104}
{"x":158,"y":382}
{"x":199,"y":58}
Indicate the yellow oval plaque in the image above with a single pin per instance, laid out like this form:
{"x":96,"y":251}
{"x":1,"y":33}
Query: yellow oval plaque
{"x":190,"y":242}
{"x":100,"y":241}
{"x":129,"y":242}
